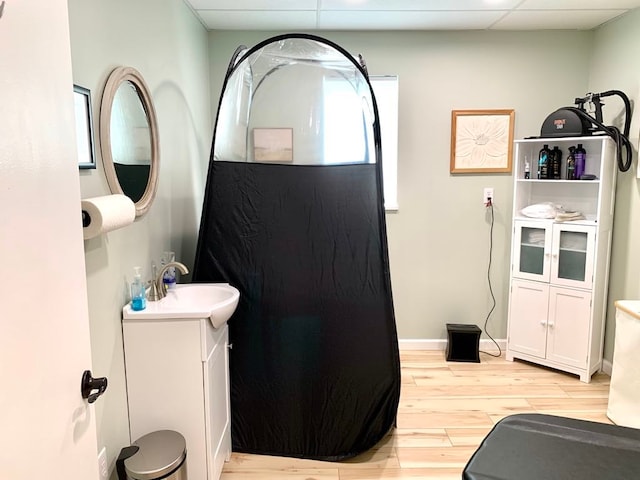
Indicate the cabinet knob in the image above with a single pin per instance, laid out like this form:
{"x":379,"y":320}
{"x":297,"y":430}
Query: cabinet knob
{"x":543,"y":323}
{"x":230,"y":346}
{"x":550,"y":324}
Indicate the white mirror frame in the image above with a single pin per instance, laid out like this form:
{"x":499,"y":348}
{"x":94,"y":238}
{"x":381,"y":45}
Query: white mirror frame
{"x":116,"y":78}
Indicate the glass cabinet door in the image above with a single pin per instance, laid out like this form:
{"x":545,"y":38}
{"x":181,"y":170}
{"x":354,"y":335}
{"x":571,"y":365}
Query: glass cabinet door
{"x":573,"y":255}
{"x":532,"y":248}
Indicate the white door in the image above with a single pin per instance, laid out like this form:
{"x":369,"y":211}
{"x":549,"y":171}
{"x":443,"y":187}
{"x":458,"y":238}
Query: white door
{"x":572,"y":255}
{"x":216,"y":399}
{"x":532,"y":250}
{"x":48,"y":430}
{"x":528,"y":318}
{"x":569,"y":319}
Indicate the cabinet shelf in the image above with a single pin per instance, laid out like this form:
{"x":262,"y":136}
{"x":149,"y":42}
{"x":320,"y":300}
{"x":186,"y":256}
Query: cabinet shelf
{"x":589,"y":220}
{"x":572,"y":182}
{"x":574,"y":250}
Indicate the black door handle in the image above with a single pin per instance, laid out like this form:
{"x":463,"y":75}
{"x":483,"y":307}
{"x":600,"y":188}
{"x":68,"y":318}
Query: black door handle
{"x":89,"y":384}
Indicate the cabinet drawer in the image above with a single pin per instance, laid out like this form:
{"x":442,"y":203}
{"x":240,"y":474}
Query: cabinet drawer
{"x":211,"y":337}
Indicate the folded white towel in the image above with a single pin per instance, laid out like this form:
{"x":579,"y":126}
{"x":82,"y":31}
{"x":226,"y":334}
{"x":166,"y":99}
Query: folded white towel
{"x":569,"y":216}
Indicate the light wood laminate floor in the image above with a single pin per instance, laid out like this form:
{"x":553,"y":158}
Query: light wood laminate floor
{"x":446,"y":409}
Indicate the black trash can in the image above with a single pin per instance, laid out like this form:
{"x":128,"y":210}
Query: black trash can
{"x":463,"y":343}
{"x":154,"y":456}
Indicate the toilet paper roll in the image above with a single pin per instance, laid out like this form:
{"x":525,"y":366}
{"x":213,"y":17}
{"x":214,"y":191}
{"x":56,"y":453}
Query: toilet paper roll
{"x":103,"y":214}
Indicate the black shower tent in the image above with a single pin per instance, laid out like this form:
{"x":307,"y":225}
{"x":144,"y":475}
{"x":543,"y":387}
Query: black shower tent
{"x":293,"y":217}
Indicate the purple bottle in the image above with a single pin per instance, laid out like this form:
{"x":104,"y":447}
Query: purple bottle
{"x":580,"y":156}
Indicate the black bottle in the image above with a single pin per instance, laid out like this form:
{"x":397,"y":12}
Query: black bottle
{"x":571,"y":164}
{"x":580,"y":156}
{"x":543,"y":163}
{"x":555,"y":164}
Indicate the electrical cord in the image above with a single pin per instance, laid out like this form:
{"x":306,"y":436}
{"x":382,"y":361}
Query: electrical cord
{"x":621,"y":139}
{"x":489,"y":205}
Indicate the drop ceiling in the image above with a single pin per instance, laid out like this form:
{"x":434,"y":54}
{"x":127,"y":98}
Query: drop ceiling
{"x":304,"y":15}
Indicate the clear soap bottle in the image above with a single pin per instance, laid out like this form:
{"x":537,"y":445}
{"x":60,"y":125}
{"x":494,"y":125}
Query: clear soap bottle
{"x":138,"y":293}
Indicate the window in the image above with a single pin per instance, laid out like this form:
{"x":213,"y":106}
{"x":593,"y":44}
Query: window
{"x":343,"y":119}
{"x":385,"y":89}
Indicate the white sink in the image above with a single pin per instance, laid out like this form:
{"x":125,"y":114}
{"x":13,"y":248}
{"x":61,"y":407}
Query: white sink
{"x":215,"y":301}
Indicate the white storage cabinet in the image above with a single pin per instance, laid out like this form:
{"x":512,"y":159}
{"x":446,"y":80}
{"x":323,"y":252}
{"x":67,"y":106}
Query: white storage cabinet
{"x":177,"y":379}
{"x":559,"y":270}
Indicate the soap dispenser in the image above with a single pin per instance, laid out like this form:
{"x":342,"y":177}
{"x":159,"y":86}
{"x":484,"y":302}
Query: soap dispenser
{"x":138,"y":294}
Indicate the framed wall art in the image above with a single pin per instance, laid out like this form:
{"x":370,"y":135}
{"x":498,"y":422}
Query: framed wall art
{"x":84,"y":127}
{"x":273,"y":144}
{"x":481,"y":141}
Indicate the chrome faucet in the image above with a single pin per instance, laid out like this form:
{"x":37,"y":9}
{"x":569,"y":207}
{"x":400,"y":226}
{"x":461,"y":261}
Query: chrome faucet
{"x":160,"y":287}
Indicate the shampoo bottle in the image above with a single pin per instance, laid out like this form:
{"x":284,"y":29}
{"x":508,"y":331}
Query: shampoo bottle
{"x":581,"y":158}
{"x":556,"y":161}
{"x":527,"y":169}
{"x":543,"y":163}
{"x":138,"y":294}
{"x":571,"y":164}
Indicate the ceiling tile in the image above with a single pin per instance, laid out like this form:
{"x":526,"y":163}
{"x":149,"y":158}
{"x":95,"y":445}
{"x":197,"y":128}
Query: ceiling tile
{"x":258,"y":20}
{"x":366,"y":20}
{"x":578,"y":4}
{"x":418,"y":5}
{"x":578,"y":19}
{"x":408,"y":14}
{"x":254,"y":4}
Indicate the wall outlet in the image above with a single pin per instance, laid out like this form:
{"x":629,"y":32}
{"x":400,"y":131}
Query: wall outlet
{"x":103,"y":468}
{"x":488,"y":194}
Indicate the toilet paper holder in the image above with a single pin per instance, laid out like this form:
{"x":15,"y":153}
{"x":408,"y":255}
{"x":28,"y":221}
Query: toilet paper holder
{"x":104,"y":214}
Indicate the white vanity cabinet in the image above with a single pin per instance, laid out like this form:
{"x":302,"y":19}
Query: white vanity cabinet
{"x":177,"y":379}
{"x":559,"y":270}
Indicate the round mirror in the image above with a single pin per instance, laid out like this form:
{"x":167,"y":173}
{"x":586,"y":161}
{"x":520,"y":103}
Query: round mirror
{"x":129,"y":138}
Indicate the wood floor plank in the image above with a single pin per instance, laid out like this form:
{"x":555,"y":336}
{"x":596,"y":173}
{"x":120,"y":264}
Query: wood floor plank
{"x":467,"y":437}
{"x":589,"y":416}
{"x":483,"y":391}
{"x":490,"y":405}
{"x":402,"y":474}
{"x":443,"y":420}
{"x":419,"y":437}
{"x":378,"y":458}
{"x":267,"y":474}
{"x":451,"y":457}
{"x":427,"y":373}
{"x":584,"y":390}
{"x":568,"y":404}
{"x":529,"y":378}
{"x":382,"y":457}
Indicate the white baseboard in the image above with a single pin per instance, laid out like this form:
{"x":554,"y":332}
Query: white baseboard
{"x":441,"y":344}
{"x":485,"y":344}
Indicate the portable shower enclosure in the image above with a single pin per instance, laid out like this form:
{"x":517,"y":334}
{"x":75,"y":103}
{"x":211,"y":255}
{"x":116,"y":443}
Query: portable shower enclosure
{"x":293,"y":217}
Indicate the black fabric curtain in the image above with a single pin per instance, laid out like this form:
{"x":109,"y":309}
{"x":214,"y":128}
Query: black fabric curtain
{"x":314,"y":367}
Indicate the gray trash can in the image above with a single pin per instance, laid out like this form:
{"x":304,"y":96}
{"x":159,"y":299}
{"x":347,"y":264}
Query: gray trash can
{"x":154,"y":456}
